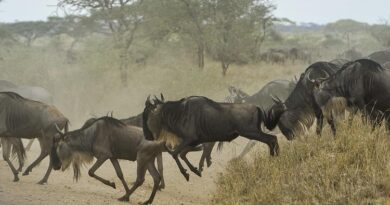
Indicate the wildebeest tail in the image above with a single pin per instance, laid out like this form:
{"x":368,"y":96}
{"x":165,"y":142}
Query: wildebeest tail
{"x":18,"y":149}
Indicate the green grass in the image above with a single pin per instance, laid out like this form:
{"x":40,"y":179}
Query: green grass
{"x":354,"y":168}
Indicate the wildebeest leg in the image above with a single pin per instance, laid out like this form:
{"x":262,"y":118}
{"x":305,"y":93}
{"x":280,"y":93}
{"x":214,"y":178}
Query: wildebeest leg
{"x":183,"y":155}
{"x":160,"y":170}
{"x":6,"y":154}
{"x":48,"y":171}
{"x":91,"y":172}
{"x":247,"y":148}
{"x":141,"y":170}
{"x":207,"y":150}
{"x":332,"y":125}
{"x":156,"y":180}
{"x":320,"y":122}
{"x":185,"y":143}
{"x":268,"y":139}
{"x":46,"y":145}
{"x":28,"y":147}
{"x":119,"y":173}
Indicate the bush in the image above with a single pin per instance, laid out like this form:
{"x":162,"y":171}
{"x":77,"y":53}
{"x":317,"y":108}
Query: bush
{"x":354,"y":168}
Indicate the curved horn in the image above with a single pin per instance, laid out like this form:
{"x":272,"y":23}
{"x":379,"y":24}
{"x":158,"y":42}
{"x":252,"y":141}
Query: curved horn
{"x":147,"y":102}
{"x":58,"y":129}
{"x":310,"y":79}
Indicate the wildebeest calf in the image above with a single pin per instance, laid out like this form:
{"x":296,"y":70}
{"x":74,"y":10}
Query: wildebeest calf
{"x":108,"y":138}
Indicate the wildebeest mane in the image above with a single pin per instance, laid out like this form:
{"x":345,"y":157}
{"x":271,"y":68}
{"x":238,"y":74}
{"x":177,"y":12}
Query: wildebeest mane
{"x":106,"y":119}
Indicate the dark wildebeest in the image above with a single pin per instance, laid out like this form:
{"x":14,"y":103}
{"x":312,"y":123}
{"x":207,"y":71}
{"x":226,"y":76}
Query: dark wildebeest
{"x":263,"y":99}
{"x":195,"y":120}
{"x":298,"y":112}
{"x":364,"y":84}
{"x":108,"y":138}
{"x":206,"y":154}
{"x":24,"y":118}
{"x":380,"y":57}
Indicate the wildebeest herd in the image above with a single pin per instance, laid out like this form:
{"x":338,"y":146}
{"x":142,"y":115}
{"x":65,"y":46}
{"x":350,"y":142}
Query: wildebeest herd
{"x":196,"y":123}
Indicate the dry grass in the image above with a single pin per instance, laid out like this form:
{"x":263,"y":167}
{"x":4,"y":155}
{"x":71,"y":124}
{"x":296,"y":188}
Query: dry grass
{"x":354,"y":168}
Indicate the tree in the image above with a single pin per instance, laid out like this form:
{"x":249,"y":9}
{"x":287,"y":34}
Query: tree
{"x":237,"y":29}
{"x":122,"y":19}
{"x":29,"y":30}
{"x":381,"y":33}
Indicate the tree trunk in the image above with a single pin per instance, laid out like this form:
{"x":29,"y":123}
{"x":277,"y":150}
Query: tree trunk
{"x":225,"y":67}
{"x":123,"y":67}
{"x":201,"y":56}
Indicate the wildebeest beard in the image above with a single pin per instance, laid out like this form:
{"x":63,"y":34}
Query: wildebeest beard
{"x":156,"y":130}
{"x":76,"y":150}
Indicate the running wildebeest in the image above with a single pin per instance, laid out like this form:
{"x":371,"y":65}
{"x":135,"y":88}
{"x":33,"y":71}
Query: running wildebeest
{"x":108,"y":138}
{"x":30,"y":92}
{"x":207,"y":148}
{"x":195,"y":120}
{"x":300,"y":109}
{"x":263,"y":99}
{"x":363,"y":84}
{"x":24,"y":118}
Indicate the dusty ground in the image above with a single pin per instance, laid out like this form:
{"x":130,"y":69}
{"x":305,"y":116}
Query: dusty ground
{"x":61,"y":188}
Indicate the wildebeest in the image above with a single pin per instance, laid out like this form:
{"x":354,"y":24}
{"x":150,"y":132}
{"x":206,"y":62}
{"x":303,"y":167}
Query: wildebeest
{"x":207,"y":148}
{"x":24,"y":118}
{"x":195,"y":120}
{"x":264,"y":99}
{"x":274,"y":56}
{"x":363,"y":84}
{"x":380,"y":57}
{"x":108,"y":138}
{"x":300,"y":109}
{"x":299,"y":54}
{"x":30,"y":92}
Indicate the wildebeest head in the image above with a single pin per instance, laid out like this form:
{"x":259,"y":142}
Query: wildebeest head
{"x":65,"y":152}
{"x":60,"y":154}
{"x":152,"y":117}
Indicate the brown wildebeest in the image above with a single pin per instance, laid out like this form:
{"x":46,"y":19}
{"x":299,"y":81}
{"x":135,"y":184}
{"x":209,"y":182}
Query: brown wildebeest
{"x":108,"y":138}
{"x":24,"y":118}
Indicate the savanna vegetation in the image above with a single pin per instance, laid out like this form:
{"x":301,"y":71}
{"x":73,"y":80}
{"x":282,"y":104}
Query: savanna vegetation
{"x":105,"y":56}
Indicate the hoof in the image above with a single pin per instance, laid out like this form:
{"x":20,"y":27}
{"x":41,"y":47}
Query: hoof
{"x":42,"y":182}
{"x":197,"y":172}
{"x":112,"y":184}
{"x":25,"y":173}
{"x":161,"y":187}
{"x":145,"y":203}
{"x":187,"y":176}
{"x":124,"y":198}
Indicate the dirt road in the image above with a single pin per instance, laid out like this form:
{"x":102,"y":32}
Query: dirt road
{"x":62,"y":189}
